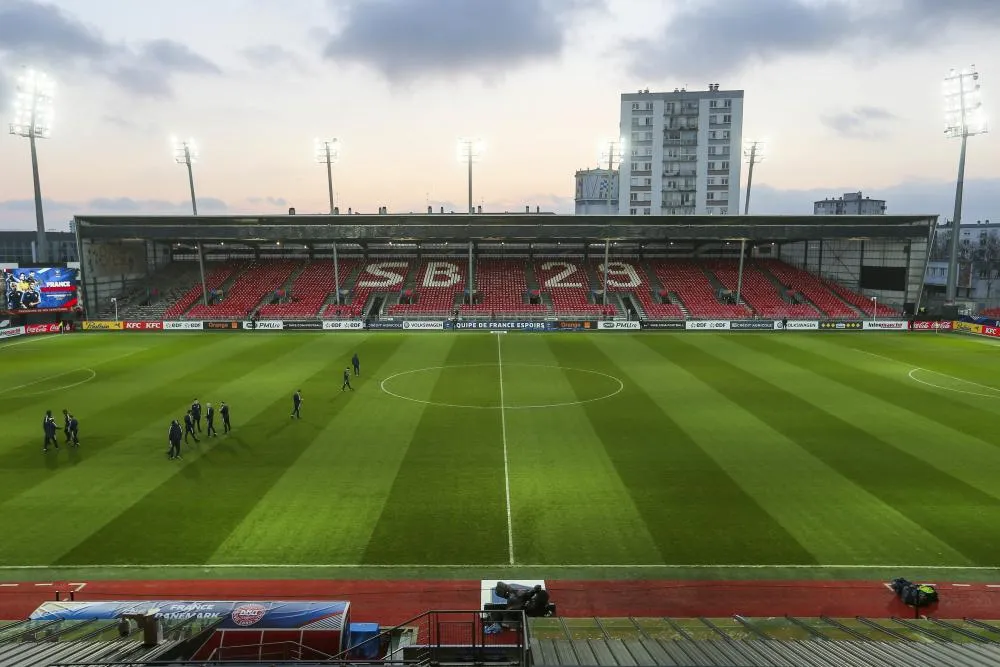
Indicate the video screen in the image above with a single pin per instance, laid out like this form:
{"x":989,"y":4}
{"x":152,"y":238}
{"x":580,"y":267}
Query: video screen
{"x":39,"y":290}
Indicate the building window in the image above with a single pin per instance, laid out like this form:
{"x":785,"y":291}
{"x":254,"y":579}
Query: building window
{"x":645,"y":211}
{"x":669,"y":107}
{"x":713,"y":166}
{"x":671,"y":185}
{"x":725,"y":166}
{"x":633,"y":196}
{"x":727,"y":118}
{"x":725,"y":134}
{"x":723,"y":181}
{"x":710,"y":196}
{"x":728,"y":104}
{"x":649,"y":106}
{"x":647,"y":181}
{"x":710,"y":210}
{"x":635,"y":180}
{"x":711,"y":180}
{"x":713,"y":103}
{"x":635,"y":106}
{"x":714,"y":119}
{"x":633,"y":211}
{"x":724,"y":211}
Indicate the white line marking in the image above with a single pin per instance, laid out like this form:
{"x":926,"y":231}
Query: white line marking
{"x":43,"y":584}
{"x":928,"y":370}
{"x":957,"y":391}
{"x":962,"y":585}
{"x":506,"y":466}
{"x":79,"y":586}
{"x":621,"y":387}
{"x":8,"y":585}
{"x":992,"y":585}
{"x":50,"y":377}
{"x":34,"y":339}
{"x":440,"y":566}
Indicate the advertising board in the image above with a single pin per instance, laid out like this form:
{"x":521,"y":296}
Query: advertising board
{"x":920,"y":325}
{"x":884,"y":325}
{"x":753,"y":325}
{"x":264,"y":325}
{"x":102,"y":325}
{"x":343,"y":325}
{"x":842,"y":325}
{"x":674,"y":325}
{"x":968,"y":327}
{"x":384,"y":324}
{"x":618,"y":326}
{"x":36,"y":329}
{"x":299,"y":325}
{"x":10,"y":332}
{"x":501,"y":326}
{"x":707,"y":325}
{"x":143,"y":326}
{"x":221,"y":326}
{"x":992,"y":331}
{"x":423,"y":325}
{"x":183,"y":326}
{"x":574,"y":325}
{"x":800,"y":325}
{"x":41,"y":290}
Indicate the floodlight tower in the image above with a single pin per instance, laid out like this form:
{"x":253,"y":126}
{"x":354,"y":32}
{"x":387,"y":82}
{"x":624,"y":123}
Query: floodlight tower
{"x":327,"y":152}
{"x":33,"y":120}
{"x":754,"y":152}
{"x":964,"y":117}
{"x":186,"y":153}
{"x":612,"y":155}
{"x":469,"y":151}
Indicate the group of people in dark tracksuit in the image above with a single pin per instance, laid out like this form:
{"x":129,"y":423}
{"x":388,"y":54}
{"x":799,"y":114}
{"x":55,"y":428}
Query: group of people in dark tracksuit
{"x":297,"y":396}
{"x":192,"y":426}
{"x":71,"y":429}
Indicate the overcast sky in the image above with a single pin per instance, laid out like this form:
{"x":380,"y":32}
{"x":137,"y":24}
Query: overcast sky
{"x":847,"y":94}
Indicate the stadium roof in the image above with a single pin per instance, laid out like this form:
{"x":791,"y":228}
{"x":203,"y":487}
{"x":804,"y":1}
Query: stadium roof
{"x":512,"y":228}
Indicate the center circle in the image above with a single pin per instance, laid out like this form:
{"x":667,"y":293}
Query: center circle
{"x":524,"y":386}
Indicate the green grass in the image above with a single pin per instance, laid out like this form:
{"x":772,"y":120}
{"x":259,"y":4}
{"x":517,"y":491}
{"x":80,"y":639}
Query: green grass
{"x":625,"y":455}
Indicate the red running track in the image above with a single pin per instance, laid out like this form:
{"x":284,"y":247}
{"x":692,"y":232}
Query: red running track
{"x":392,"y":602}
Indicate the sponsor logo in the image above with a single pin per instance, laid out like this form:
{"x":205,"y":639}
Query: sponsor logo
{"x":918,"y":325}
{"x":344,"y":325}
{"x":704,"y":325}
{"x":143,"y":326}
{"x":575,"y":325}
{"x":884,"y":325}
{"x":385,"y":324}
{"x":10,"y":332}
{"x":222,"y":326}
{"x":315,"y":326}
{"x":800,"y":325}
{"x":35,"y":329}
{"x":264,"y":325}
{"x":663,"y":325}
{"x":245,"y":615}
{"x":991,"y":331}
{"x":757,"y":325}
{"x":528,"y":326}
{"x":840,"y":326}
{"x":183,"y":326}
{"x":968,"y":327}
{"x":4,"y":324}
{"x":618,"y":326}
{"x":97,"y":325}
{"x":420,"y":325}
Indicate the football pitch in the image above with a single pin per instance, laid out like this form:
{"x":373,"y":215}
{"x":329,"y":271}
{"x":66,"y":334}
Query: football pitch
{"x":595,"y":454}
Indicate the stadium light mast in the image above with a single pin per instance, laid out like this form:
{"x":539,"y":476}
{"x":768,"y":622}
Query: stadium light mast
{"x":327,"y":152}
{"x":186,"y":153}
{"x":611,"y":154}
{"x":754,"y":152}
{"x":33,"y":120}
{"x":964,"y":118}
{"x":469,"y":151}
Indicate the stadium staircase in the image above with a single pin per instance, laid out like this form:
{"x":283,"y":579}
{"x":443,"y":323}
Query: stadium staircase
{"x":760,"y":294}
{"x":859,"y":301}
{"x":360,"y":294}
{"x":219,"y":277}
{"x":572,"y":301}
{"x":687,"y":282}
{"x":310,"y":286}
{"x":642,"y":295}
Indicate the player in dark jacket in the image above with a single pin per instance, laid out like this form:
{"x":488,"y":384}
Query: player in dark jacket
{"x":296,"y":404}
{"x":174,"y":435}
{"x":189,"y":427}
{"x":66,"y":425}
{"x":210,"y":421}
{"x":196,"y":414}
{"x":357,"y":364}
{"x":347,"y":380}
{"x":224,"y":411}
{"x":49,"y":426}
{"x":74,"y":430}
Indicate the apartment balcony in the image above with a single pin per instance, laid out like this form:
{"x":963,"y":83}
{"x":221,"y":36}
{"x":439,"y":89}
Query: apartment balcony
{"x":640,"y":204}
{"x":720,"y":125}
{"x":640,"y":172}
{"x":641,"y":188}
{"x":716,"y":202}
{"x":679,"y":188}
{"x":718,"y":188}
{"x":718,"y":172}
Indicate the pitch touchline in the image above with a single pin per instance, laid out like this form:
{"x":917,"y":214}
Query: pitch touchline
{"x":506,"y":466}
{"x":438,"y":566}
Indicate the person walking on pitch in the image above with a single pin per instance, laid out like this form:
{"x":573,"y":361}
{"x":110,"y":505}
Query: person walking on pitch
{"x":196,"y":413}
{"x":357,"y":364}
{"x":347,"y":380}
{"x":74,"y":430}
{"x":49,"y":426}
{"x":66,"y":425}
{"x":296,"y":404}
{"x":189,"y":427}
{"x":174,"y":438}
{"x":224,"y":411}
{"x":210,"y":421}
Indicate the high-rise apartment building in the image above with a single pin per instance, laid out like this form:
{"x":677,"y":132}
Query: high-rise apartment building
{"x":684,"y":152}
{"x":852,"y":203}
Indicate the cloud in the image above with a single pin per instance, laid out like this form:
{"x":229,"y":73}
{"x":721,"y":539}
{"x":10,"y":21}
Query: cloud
{"x":277,"y":202}
{"x":45,"y":34}
{"x":908,"y":197}
{"x":408,"y":39}
{"x":265,"y":56}
{"x":751,"y":31}
{"x":20,"y":213}
{"x":862,"y":122}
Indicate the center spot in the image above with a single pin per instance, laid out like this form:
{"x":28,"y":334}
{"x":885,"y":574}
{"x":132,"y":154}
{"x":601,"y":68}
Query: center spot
{"x":525,"y":386}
